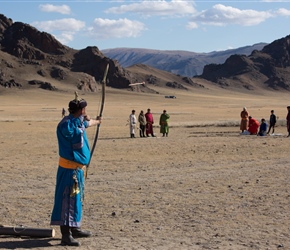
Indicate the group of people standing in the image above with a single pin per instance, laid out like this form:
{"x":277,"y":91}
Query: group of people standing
{"x":75,"y":156}
{"x":146,"y":122}
{"x":251,"y":126}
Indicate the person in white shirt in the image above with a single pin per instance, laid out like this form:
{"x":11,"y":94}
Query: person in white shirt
{"x":133,"y":122}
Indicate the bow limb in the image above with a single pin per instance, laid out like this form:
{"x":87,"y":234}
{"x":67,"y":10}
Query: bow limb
{"x":100,"y":115}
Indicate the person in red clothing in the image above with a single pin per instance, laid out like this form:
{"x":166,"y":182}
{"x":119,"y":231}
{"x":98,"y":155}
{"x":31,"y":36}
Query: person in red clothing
{"x":149,"y":123}
{"x":253,"y":126}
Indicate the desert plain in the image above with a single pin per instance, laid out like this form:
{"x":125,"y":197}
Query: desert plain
{"x":204,"y":186}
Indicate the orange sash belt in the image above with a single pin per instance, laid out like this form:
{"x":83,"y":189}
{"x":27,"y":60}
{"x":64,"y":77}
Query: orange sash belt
{"x":70,"y":164}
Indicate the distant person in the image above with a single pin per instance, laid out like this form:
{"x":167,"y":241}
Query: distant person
{"x":244,"y":119}
{"x":133,"y":122}
{"x":263,"y":128}
{"x":163,"y":122}
{"x":149,"y":123}
{"x":273,"y":120}
{"x":63,"y":112}
{"x":142,"y":123}
{"x":288,"y":121}
{"x":253,"y":126}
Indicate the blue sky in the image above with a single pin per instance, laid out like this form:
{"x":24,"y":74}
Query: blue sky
{"x":198,"y":26}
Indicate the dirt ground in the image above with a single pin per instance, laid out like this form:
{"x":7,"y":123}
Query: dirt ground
{"x":203,"y":187}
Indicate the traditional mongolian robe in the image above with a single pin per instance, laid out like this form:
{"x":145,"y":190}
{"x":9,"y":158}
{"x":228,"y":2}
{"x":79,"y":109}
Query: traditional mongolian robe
{"x":253,"y":126}
{"x":142,"y":124}
{"x":163,"y":122}
{"x":133,"y":123}
{"x":244,"y":120}
{"x":288,"y":122}
{"x":149,"y":124}
{"x":74,"y":154}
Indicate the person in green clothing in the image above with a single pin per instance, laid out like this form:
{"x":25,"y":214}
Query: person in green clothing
{"x":163,"y":122}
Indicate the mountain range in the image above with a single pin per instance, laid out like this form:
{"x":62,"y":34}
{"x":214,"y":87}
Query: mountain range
{"x":184,"y":63}
{"x":33,"y":59}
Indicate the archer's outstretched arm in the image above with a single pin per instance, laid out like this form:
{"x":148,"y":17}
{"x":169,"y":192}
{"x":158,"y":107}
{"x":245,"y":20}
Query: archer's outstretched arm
{"x":93,"y":122}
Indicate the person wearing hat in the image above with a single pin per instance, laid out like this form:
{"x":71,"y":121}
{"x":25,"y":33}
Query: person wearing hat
{"x":74,"y":155}
{"x":133,"y":122}
{"x":163,"y":122}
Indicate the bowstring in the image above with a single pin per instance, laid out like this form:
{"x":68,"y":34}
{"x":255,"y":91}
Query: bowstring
{"x":95,"y":117}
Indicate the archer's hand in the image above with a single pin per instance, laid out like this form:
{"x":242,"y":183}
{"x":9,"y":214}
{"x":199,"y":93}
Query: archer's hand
{"x":99,"y":118}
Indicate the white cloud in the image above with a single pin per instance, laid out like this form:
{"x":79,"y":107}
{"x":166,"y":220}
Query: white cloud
{"x":62,"y":9}
{"x":108,"y":28}
{"x":220,"y":15}
{"x":65,"y":25}
{"x":64,"y":28}
{"x":65,"y":37}
{"x":283,"y":12}
{"x":192,"y":25}
{"x":156,"y":8}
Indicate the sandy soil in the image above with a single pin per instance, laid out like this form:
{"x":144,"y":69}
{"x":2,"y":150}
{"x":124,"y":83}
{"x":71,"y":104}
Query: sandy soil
{"x":203,"y":187}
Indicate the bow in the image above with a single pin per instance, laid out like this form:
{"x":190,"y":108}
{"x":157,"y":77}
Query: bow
{"x":100,"y":115}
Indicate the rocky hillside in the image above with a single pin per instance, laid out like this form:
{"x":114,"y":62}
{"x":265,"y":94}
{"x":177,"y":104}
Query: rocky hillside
{"x":29,"y":57}
{"x":267,"y":69}
{"x":33,"y":59}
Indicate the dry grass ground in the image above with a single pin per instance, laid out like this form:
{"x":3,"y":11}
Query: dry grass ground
{"x":203,"y":187}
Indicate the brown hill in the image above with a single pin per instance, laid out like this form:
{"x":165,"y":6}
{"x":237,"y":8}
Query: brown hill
{"x":33,"y":59}
{"x":161,"y":78}
{"x":266,"y":69}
